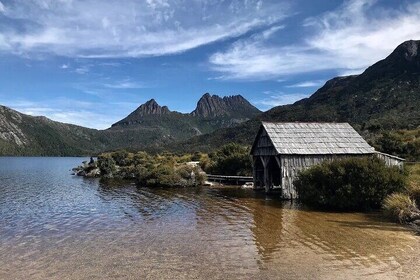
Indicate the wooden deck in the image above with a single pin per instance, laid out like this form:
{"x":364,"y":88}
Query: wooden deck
{"x":234,"y":180}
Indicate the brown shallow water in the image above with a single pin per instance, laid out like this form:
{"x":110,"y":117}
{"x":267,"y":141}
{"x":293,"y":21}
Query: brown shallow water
{"x":55,"y":226}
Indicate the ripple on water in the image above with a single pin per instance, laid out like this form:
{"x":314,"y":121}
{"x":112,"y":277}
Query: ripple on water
{"x":54,"y":225}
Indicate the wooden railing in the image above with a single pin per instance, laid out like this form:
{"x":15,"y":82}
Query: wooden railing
{"x":229,"y":179}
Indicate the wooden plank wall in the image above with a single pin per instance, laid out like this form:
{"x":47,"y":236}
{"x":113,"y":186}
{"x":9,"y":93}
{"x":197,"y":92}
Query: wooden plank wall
{"x":264,"y":146}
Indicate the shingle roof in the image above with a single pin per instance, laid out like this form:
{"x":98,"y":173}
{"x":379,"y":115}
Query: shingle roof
{"x":316,"y":138}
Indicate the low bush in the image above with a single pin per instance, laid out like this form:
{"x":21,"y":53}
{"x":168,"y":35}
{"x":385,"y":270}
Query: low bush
{"x":107,"y":165}
{"x":404,"y":143}
{"x":231,"y":159}
{"x":413,"y":188}
{"x":399,"y":207}
{"x":414,"y":192}
{"x":349,"y":184}
{"x":166,"y":170}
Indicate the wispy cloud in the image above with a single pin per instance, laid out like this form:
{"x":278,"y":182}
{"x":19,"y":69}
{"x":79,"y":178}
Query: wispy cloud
{"x":111,"y":64}
{"x":83,"y":69}
{"x":347,"y":39}
{"x":274,"y":98}
{"x":88,"y":114}
{"x":126,"y":84}
{"x":306,"y":84}
{"x":95,"y":28}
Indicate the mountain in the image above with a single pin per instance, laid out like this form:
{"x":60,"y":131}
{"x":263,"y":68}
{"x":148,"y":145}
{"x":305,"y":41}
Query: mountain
{"x":155,"y":125}
{"x":149,"y":126}
{"x":386,"y":96}
{"x":210,"y":107}
{"x":21,"y":134}
{"x":213,"y":106}
{"x":150,"y":108}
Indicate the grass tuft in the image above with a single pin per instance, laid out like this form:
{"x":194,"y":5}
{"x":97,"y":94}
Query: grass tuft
{"x":399,"y":206}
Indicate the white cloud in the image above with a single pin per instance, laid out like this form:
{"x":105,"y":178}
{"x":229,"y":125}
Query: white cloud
{"x":64,"y":66}
{"x":83,"y":113}
{"x":316,"y":83}
{"x":349,"y":72}
{"x":2,"y":9}
{"x":125,"y":84}
{"x":348,"y":39}
{"x":279,"y":98}
{"x":83,"y":69}
{"x":95,"y":28}
{"x":111,"y":64}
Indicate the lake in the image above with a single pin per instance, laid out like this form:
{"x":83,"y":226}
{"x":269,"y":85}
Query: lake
{"x":57,"y":226}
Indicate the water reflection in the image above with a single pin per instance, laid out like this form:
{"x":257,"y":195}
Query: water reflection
{"x":53,"y":225}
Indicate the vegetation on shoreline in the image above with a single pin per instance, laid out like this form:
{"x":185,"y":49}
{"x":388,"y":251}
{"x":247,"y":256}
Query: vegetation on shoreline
{"x":403,"y":143}
{"x":231,"y":159}
{"x":360,"y":184}
{"x":404,"y":205}
{"x":166,"y":170}
{"x":349,"y":184}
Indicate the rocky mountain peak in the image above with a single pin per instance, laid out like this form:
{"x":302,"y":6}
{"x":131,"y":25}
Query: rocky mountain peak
{"x":210,"y":106}
{"x":226,"y":111}
{"x":150,"y":108}
{"x":404,"y":62}
{"x":408,"y":50}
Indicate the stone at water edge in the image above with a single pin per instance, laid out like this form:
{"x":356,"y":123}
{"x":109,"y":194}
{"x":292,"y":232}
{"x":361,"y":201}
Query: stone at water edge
{"x":248,"y":185}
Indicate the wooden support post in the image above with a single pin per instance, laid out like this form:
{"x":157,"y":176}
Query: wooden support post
{"x":254,"y":171}
{"x":281,"y":176}
{"x":265,"y":161}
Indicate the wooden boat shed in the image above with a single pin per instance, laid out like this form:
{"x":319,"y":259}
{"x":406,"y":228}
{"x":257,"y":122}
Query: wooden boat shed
{"x":281,"y":150}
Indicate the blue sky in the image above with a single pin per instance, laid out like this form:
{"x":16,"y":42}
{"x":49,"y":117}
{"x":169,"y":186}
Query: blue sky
{"x":92,"y":62}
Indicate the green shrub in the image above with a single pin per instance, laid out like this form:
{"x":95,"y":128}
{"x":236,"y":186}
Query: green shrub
{"x":205,"y":162}
{"x":107,"y":165}
{"x":121,"y":157}
{"x":349,"y":184}
{"x":399,"y":206}
{"x":196,"y":156}
{"x":414,"y":192}
{"x":164,"y":170}
{"x":168,"y":175}
{"x":404,"y":143}
{"x":231,"y":159}
{"x":413,"y":188}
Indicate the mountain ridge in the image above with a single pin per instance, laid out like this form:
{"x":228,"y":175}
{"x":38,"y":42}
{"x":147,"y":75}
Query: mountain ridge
{"x":208,"y":106}
{"x":386,"y":96}
{"x":150,"y":125}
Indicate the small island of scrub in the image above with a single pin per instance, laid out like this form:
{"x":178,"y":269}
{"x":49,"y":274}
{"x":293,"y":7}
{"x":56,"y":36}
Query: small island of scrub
{"x":362,"y":184}
{"x":166,"y":170}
